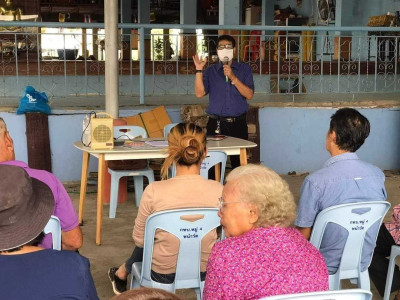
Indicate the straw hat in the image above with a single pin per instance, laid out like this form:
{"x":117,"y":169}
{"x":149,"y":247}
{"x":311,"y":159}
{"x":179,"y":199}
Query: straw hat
{"x":26,"y":205}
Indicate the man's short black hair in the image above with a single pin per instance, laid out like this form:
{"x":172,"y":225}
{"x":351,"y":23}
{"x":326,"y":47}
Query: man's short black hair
{"x":351,"y":129}
{"x":227,"y":37}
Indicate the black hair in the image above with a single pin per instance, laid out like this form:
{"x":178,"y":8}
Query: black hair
{"x":351,"y":129}
{"x":227,"y":37}
{"x":36,"y":241}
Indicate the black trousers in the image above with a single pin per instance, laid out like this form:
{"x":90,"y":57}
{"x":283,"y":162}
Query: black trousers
{"x":236,"y":129}
{"x":137,"y":256}
{"x":380,"y":262}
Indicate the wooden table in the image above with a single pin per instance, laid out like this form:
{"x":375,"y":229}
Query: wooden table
{"x":230,"y":145}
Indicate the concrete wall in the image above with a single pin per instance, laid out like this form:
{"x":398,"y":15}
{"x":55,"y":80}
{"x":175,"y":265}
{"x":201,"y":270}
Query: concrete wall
{"x":293,"y":139}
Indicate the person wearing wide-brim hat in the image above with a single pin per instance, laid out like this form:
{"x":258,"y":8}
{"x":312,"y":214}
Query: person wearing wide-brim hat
{"x":27,"y":270}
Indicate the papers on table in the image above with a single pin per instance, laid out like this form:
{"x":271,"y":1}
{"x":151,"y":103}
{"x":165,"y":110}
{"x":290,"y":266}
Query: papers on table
{"x":157,"y":143}
{"x":135,"y":144}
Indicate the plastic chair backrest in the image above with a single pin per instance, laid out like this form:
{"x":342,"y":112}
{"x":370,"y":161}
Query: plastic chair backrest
{"x":213,"y":158}
{"x":126,"y":132}
{"x":350,"y":294}
{"x":168,"y":127}
{"x":356,"y":218}
{"x":54,"y":227}
{"x":189,"y":234}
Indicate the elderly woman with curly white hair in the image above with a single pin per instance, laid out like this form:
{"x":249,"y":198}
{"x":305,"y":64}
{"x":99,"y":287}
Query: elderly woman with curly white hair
{"x":262,"y":255}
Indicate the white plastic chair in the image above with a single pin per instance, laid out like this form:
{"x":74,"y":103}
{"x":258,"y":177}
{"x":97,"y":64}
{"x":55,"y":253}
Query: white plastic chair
{"x":188,"y":264}
{"x":54,"y":227}
{"x":116,"y":175}
{"x":213,"y":158}
{"x":168,"y":127}
{"x":395,"y":251}
{"x":365,"y":214}
{"x":350,"y":294}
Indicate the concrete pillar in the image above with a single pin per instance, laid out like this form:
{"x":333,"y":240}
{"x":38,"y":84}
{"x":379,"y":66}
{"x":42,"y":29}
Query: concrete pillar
{"x":230,"y":12}
{"x":84,"y":43}
{"x":338,"y":14}
{"x":144,"y":18}
{"x":267,"y":14}
{"x":267,"y":19}
{"x":111,"y":62}
{"x":95,"y":47}
{"x":188,"y":15}
{"x":188,"y":11}
{"x":126,"y":17}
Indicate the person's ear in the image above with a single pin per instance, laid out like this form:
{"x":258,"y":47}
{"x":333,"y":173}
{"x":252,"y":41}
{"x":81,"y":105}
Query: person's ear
{"x":333,"y":136}
{"x":8,"y":142}
{"x":253,"y":214}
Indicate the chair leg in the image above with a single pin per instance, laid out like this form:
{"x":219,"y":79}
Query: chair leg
{"x":114,"y":195}
{"x":389,"y":277}
{"x":198,"y":293}
{"x":364,"y":282}
{"x":138,"y":182}
{"x":334,"y":282}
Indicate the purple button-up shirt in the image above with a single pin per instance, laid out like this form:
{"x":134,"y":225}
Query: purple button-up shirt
{"x":63,"y":208}
{"x":225,"y":99}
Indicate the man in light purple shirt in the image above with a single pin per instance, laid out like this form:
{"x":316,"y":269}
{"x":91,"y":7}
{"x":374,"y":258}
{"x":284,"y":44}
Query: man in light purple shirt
{"x":343,"y":179}
{"x":71,"y":235}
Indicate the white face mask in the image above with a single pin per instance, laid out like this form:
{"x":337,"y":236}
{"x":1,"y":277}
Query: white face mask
{"x":225,"y":53}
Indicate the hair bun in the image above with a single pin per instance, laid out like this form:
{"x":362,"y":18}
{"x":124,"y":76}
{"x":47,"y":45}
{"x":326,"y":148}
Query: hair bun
{"x":192,"y":152}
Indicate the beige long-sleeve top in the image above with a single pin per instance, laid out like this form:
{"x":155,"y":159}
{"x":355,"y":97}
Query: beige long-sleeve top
{"x":187,"y":191}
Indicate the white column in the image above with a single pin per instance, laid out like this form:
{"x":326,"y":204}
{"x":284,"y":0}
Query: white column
{"x":230,"y":12}
{"x":267,"y":15}
{"x":111,"y":62}
{"x":126,"y":17}
{"x":188,"y":11}
{"x":144,"y":14}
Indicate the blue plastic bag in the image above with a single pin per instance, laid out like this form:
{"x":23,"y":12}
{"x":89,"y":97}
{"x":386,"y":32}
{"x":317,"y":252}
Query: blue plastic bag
{"x":33,"y":101}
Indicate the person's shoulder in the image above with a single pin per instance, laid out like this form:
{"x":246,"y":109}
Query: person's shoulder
{"x":372,"y":167}
{"x":244,"y":66}
{"x":69,"y":258}
{"x":213,"y":184}
{"x":43,"y":175}
{"x":317,"y":175}
{"x":211,"y":67}
{"x":236,"y":243}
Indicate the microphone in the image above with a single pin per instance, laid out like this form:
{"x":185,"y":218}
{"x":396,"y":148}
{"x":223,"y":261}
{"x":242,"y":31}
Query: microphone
{"x":225,"y":62}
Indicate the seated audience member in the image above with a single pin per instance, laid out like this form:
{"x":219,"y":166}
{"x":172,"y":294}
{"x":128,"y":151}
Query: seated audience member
{"x":261,"y":256}
{"x":343,"y":179}
{"x":388,"y":236}
{"x":146,"y":294}
{"x":27,"y":270}
{"x":63,"y":208}
{"x":186,"y":149}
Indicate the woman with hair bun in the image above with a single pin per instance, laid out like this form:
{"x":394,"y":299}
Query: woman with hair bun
{"x":186,"y":149}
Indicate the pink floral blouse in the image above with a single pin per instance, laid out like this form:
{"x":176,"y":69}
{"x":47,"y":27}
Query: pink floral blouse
{"x":264,"y":262}
{"x":394,"y":226}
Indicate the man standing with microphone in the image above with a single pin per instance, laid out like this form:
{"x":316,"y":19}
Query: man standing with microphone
{"x":230,"y":85}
